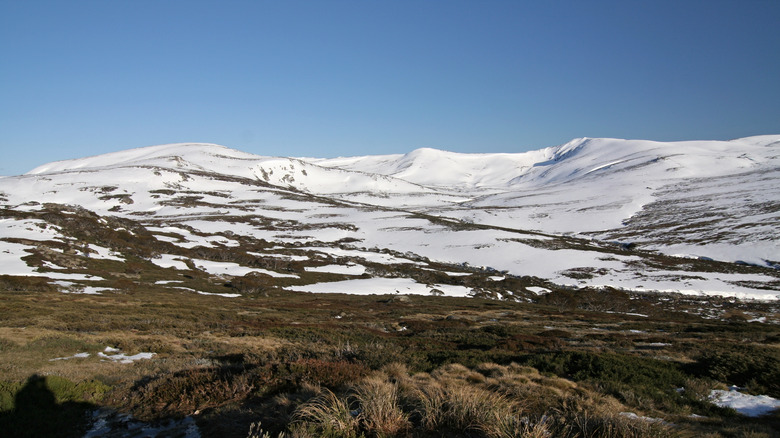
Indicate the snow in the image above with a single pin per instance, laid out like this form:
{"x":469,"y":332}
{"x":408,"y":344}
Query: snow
{"x":234,"y":269}
{"x":86,"y":290}
{"x":187,"y":239}
{"x":279,"y":256}
{"x":11,"y":263}
{"x":370,"y":256}
{"x":382,"y":286}
{"x":226,"y":295}
{"x":123,"y":358}
{"x":75,"y":356}
{"x":698,"y":198}
{"x":118,"y":357}
{"x":170,"y":261}
{"x":32,"y":229}
{"x":99,"y":252}
{"x":353,"y":269}
{"x":453,"y":274}
{"x":633,"y":416}
{"x":641,"y":315}
{"x":745,"y":404}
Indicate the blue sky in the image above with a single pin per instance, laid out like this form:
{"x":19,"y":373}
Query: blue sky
{"x":338,"y":78}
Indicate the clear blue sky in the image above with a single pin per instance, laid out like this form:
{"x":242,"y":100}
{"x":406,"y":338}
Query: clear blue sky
{"x":336,"y":78}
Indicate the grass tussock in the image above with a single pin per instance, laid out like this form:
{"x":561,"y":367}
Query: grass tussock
{"x":328,"y":415}
{"x":394,"y":403}
{"x":380,"y":411}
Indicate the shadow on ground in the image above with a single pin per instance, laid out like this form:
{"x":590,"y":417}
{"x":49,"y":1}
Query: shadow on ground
{"x":36,"y":413}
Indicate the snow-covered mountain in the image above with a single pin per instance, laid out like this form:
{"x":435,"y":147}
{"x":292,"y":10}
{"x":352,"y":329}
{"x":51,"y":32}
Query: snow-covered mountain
{"x":699,"y":217}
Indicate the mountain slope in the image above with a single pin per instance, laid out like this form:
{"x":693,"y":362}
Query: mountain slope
{"x":589,"y":213}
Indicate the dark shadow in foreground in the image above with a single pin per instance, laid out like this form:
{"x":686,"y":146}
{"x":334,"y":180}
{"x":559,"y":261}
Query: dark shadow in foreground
{"x":36,"y":413}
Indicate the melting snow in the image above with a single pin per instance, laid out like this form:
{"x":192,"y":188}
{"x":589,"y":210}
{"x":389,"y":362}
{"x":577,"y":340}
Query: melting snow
{"x":585,"y":186}
{"x":279,"y":256}
{"x":219,"y":295}
{"x":353,"y":269}
{"x":123,"y":358}
{"x":382,"y":286}
{"x":32,"y":229}
{"x":234,"y":269}
{"x":170,"y":261}
{"x":102,"y":253}
{"x":745,"y":404}
{"x":75,"y":356}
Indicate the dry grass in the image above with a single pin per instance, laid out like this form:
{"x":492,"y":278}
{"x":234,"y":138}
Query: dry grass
{"x":451,"y":369}
{"x":394,"y":403}
{"x":380,"y":412}
{"x":329,"y":415}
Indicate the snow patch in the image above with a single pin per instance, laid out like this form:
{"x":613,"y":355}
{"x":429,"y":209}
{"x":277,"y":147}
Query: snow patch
{"x":382,"y":286}
{"x":745,"y":404}
{"x":353,"y":269}
{"x":123,"y":358}
{"x":75,"y":356}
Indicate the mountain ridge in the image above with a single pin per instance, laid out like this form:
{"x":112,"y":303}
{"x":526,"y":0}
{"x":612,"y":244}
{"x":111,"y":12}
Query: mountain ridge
{"x":563,"y":214}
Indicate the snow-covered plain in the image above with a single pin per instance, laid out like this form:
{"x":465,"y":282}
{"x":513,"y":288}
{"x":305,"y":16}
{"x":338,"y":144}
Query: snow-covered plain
{"x":557,"y":213}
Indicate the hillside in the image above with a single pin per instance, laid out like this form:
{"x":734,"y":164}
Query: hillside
{"x":690,"y":217}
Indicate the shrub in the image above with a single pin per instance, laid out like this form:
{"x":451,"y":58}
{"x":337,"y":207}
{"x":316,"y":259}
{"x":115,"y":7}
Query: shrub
{"x":757,"y":368}
{"x":642,"y":382}
{"x":184,"y":392}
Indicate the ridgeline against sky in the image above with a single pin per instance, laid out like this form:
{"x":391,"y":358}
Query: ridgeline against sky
{"x":345,"y":78}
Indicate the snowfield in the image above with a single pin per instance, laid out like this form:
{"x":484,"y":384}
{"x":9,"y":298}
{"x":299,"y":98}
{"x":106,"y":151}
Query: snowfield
{"x":588,"y":213}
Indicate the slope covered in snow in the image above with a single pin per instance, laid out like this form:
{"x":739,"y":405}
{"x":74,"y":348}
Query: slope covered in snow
{"x":632,"y":214}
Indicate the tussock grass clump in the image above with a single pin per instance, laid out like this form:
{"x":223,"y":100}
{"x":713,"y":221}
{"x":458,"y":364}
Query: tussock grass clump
{"x":515,"y":401}
{"x":327,"y":415}
{"x":380,"y":412}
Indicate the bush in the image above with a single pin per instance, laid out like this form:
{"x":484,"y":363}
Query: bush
{"x":332,"y":374}
{"x":182,"y":393}
{"x":756,"y":368}
{"x":635,"y":380}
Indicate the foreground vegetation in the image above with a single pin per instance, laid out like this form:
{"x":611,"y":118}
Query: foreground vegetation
{"x":296,"y":364}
